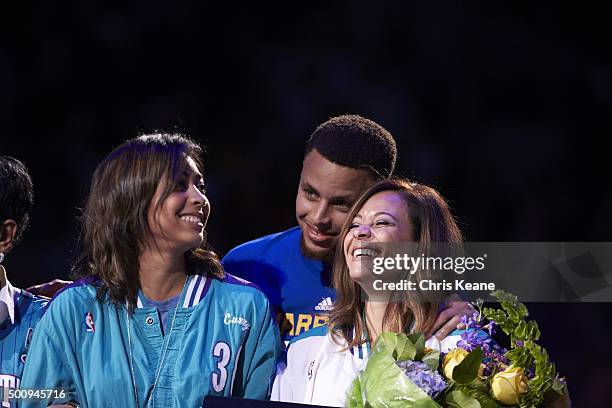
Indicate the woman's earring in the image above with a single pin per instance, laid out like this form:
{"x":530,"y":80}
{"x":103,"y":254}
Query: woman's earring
{"x":1,"y":257}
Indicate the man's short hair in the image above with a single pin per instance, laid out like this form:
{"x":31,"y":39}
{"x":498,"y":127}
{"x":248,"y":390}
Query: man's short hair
{"x":16,"y":194}
{"x":356,"y":142}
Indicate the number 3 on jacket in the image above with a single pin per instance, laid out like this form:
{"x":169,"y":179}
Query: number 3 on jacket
{"x":222,"y":352}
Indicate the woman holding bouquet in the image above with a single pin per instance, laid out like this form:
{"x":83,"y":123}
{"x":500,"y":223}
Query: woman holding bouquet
{"x":322,"y":363}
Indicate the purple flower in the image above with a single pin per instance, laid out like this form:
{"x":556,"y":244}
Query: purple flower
{"x":422,"y":376}
{"x":494,"y":357}
{"x":471,"y":339}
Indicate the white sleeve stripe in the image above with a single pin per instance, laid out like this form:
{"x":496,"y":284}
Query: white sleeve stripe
{"x":189,"y":291}
{"x":364,"y":346}
{"x":198,"y":294}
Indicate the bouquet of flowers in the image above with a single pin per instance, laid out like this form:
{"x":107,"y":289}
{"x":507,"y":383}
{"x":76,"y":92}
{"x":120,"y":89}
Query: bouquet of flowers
{"x":402,"y":372}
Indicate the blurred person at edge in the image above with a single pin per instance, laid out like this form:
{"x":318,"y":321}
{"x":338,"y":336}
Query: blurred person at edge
{"x":19,"y":310}
{"x":322,"y":363}
{"x":343,"y":157}
{"x":154,"y":320}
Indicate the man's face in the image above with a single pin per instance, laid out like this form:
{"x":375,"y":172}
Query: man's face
{"x":325,"y":195}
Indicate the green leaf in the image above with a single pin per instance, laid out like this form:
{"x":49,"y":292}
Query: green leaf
{"x":382,"y":383}
{"x":408,"y":353}
{"x":389,"y":342}
{"x":457,"y":399}
{"x":354,"y":398}
{"x":559,"y":386}
{"x":534,"y":331}
{"x":512,"y":313}
{"x":522,"y":309}
{"x":479,"y":391}
{"x":467,"y":370}
{"x":520,"y":331}
{"x":418,"y":339}
{"x":432,"y":359}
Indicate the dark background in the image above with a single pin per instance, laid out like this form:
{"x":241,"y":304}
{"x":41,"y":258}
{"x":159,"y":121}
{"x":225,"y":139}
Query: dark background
{"x":504,"y":108}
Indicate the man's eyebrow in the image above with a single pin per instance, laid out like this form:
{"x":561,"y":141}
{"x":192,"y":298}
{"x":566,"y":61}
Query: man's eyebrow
{"x":342,"y":199}
{"x":307,"y":185}
{"x":347,"y":199}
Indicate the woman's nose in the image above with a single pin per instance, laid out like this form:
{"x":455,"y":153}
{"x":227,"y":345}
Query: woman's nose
{"x":363,"y":231}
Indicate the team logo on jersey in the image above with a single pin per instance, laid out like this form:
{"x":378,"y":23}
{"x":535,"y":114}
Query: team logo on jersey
{"x":325,"y":304}
{"x":230,"y":319}
{"x":312,"y":363}
{"x":89,"y":322}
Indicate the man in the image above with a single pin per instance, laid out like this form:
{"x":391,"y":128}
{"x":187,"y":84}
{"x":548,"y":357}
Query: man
{"x":344,"y":156}
{"x":19,"y":310}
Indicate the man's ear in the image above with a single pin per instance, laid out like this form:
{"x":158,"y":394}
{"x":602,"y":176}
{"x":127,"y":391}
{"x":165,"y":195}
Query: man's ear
{"x":8,"y":230}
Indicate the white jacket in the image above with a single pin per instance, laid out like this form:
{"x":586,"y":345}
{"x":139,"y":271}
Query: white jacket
{"x":318,"y":372}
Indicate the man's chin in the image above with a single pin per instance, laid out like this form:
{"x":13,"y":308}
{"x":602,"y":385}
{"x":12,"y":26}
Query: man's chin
{"x":321,"y":254}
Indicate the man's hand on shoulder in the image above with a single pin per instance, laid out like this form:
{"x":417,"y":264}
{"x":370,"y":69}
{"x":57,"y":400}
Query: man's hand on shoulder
{"x":449,"y":319}
{"x":48,"y":289}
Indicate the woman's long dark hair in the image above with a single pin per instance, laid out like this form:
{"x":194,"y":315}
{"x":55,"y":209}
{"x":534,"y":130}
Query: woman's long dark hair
{"x":114,"y":224}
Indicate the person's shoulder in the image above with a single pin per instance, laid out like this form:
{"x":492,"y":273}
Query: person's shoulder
{"x":315,"y":335}
{"x":80,"y":291}
{"x":259,"y":247}
{"x":303,"y":349}
{"x":65,"y":309}
{"x":37,"y":303}
{"x":240,"y":299}
{"x":234,"y":286}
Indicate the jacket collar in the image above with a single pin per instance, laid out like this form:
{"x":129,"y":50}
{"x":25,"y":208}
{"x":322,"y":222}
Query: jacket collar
{"x":7,"y":296}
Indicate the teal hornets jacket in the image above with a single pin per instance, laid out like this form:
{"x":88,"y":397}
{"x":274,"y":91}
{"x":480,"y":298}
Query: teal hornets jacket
{"x":223,"y":341}
{"x":23,"y":311}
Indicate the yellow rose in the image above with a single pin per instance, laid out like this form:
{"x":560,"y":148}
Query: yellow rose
{"x":509,"y":385}
{"x":452,"y":360}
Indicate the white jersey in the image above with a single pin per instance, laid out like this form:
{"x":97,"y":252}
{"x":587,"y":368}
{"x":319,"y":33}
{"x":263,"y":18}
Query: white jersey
{"x":319,"y":372}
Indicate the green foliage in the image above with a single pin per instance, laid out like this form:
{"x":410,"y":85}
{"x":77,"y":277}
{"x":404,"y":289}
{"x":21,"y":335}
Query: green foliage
{"x":525,"y":352}
{"x":418,"y":339}
{"x":432,"y":359}
{"x":480,"y":392}
{"x":383,"y":384}
{"x":458,"y":399}
{"x":401,"y":347}
{"x":467,"y":371}
{"x":408,"y":352}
